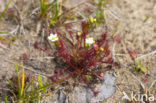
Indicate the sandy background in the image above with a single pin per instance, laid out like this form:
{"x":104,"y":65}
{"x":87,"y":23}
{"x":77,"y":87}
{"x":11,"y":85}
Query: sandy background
{"x":136,"y":24}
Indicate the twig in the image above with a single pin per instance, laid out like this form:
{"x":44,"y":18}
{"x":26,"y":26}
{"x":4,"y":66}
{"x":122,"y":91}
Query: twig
{"x":15,"y":30}
{"x":113,"y":13}
{"x":152,"y":84}
{"x":138,"y":80}
{"x":43,"y":58}
{"x":5,"y":89}
{"x":153,"y":52}
{"x":20,"y":19}
{"x":120,"y":54}
{"x":113,"y":50}
{"x":34,"y":11}
{"x":134,"y":76}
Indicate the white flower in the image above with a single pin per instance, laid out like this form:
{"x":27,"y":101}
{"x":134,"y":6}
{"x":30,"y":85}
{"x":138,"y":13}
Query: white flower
{"x":53,"y":37}
{"x":90,"y":40}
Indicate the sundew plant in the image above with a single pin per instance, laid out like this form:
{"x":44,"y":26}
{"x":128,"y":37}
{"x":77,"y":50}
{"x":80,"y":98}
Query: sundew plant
{"x":82,"y":55}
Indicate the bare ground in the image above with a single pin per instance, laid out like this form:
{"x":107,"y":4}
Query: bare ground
{"x":137,"y":33}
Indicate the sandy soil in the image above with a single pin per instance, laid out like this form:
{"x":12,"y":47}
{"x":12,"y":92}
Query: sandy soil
{"x":136,"y":24}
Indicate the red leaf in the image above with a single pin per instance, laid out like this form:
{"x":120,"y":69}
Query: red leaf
{"x":104,"y":36}
{"x":101,"y":41}
{"x":144,"y":80}
{"x":84,"y":29}
{"x":83,"y":25}
{"x":91,"y":62}
{"x":107,"y":53}
{"x":59,"y":71}
{"x":10,"y":10}
{"x":84,"y":79}
{"x":117,"y":38}
{"x":36,"y":45}
{"x":54,"y":78}
{"x":132,"y":53}
{"x":96,"y":47}
{"x":115,"y":64}
{"x":95,"y":93}
{"x":25,"y":56}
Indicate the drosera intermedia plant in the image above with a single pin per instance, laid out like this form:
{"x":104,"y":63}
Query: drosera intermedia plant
{"x":82,"y":55}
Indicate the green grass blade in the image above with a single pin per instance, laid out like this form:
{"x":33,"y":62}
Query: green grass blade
{"x":26,"y":89}
{"x":19,"y":82}
{"x":40,"y":88}
{"x":56,"y":12}
{"x":5,"y":33}
{"x":40,"y":80}
{"x":6,"y":99}
{"x":45,"y":7}
{"x":5,"y":9}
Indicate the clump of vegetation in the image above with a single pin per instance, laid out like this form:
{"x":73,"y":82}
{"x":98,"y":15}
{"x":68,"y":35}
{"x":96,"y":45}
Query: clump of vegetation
{"x":81,"y":56}
{"x":25,"y":89}
{"x":100,"y":11}
{"x":53,"y":14}
{"x":138,"y":66}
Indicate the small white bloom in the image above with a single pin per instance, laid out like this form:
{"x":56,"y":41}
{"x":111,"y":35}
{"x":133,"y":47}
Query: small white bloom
{"x":53,"y":37}
{"x":90,"y":40}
